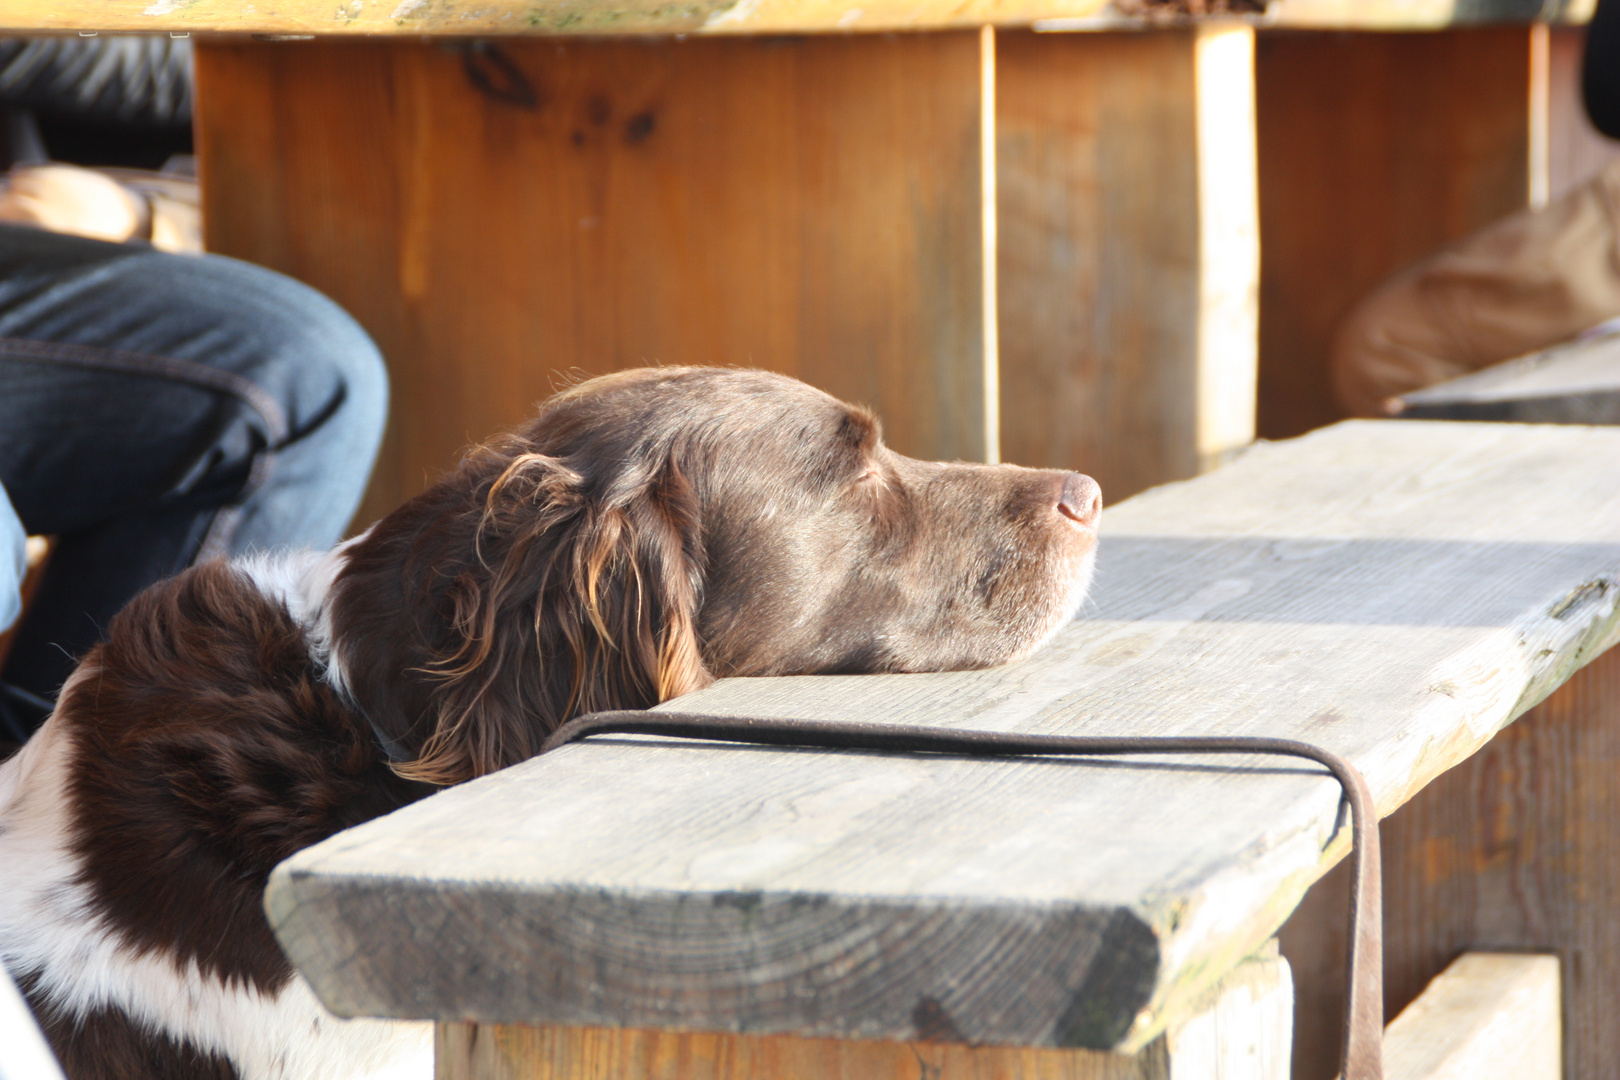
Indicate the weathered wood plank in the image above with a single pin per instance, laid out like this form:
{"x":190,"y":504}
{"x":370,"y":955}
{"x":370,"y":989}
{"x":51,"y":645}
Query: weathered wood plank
{"x":1515,"y":849}
{"x":1375,"y":149}
{"x":812,"y":206}
{"x":1395,"y":591}
{"x":1129,"y":251}
{"x":1489,"y":1016}
{"x":1573,"y":383}
{"x":642,"y":17}
{"x":1242,"y":1030}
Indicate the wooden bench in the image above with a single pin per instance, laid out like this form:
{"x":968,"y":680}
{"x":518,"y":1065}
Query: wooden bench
{"x":1397,"y":592}
{"x":1574,"y":382}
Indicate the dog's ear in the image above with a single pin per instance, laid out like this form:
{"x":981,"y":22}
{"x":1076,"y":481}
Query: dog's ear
{"x":563,"y":594}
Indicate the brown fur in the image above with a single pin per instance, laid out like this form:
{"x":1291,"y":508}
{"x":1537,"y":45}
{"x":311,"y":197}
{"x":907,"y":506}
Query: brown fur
{"x":210,"y":749}
{"x":650,"y":531}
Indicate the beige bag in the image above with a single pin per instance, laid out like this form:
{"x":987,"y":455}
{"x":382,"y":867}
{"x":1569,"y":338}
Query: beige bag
{"x":1518,"y":285}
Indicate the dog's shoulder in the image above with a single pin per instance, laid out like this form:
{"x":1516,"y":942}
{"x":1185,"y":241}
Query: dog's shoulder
{"x":208,"y":747}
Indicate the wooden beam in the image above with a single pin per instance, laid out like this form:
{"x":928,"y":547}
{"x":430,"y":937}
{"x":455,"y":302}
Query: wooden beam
{"x":1129,"y":251}
{"x":1374,"y":150}
{"x":1242,"y":1031}
{"x":412,"y":18}
{"x":1489,"y":1016}
{"x":1394,"y":591}
{"x":811,"y":205}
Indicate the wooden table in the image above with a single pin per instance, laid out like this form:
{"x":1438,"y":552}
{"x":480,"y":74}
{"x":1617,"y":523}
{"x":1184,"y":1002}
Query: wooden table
{"x":1395,"y":591}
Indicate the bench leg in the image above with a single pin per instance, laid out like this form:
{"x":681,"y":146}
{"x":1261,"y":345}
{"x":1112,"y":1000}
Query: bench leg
{"x":1242,"y":1032}
{"x":1128,"y":251}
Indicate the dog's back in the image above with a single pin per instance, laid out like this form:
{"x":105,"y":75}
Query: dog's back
{"x":195,"y":749}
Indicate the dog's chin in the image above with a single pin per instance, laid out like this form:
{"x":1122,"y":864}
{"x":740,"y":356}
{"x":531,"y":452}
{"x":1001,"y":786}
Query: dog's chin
{"x":1070,"y":598}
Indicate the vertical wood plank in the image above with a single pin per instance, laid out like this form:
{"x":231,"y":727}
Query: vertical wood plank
{"x":1127,"y":252}
{"x":1242,"y":1030}
{"x":1374,"y":150}
{"x":1517,"y":848}
{"x":808,"y":205}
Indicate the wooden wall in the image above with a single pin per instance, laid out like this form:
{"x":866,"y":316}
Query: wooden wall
{"x":810,"y":205}
{"x":824,"y":206}
{"x":1374,"y":150}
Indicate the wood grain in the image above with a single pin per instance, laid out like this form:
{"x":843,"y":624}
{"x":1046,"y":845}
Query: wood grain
{"x":1489,"y":1016}
{"x":1395,"y":591}
{"x":1374,"y":149}
{"x":1128,"y":254}
{"x":411,"y":18}
{"x":1242,"y":1031}
{"x":809,"y":205}
{"x":1515,"y":849}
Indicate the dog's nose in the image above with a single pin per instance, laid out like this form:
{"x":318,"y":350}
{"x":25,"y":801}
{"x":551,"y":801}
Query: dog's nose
{"x":1080,"y":500}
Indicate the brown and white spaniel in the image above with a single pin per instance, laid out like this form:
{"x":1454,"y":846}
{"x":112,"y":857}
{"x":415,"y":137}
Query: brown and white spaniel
{"x":646,"y":533}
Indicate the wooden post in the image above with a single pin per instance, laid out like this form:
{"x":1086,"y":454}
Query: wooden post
{"x":811,"y":205}
{"x":1374,"y":150}
{"x":1243,"y":1031}
{"x":1129,"y":254}
{"x":1516,"y":848}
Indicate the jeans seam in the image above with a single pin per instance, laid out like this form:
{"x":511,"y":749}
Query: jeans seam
{"x":151,"y":365}
{"x":216,"y":542}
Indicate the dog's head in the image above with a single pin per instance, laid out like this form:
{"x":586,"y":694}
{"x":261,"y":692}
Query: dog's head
{"x":653,"y":530}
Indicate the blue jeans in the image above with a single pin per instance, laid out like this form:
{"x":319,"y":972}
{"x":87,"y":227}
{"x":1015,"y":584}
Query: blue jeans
{"x":158,"y":409}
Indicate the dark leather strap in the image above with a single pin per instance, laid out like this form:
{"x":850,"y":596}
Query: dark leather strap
{"x":1364,"y":1013}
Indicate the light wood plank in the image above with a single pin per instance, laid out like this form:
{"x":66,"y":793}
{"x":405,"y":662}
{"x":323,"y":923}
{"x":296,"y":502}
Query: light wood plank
{"x":1395,"y":591}
{"x":1375,"y":149}
{"x":1573,"y":383}
{"x":1242,"y":1031}
{"x":409,"y":18}
{"x":1489,"y":1016}
{"x":811,"y":205}
{"x":1129,"y":251}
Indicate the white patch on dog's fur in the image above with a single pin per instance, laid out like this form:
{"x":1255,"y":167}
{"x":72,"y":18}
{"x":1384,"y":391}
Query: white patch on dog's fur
{"x":303,"y":581}
{"x":48,"y":931}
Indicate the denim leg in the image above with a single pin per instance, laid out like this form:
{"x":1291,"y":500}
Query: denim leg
{"x":155,"y":409}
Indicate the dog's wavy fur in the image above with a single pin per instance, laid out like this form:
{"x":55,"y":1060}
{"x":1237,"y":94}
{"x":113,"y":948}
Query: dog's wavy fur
{"x":646,"y":533}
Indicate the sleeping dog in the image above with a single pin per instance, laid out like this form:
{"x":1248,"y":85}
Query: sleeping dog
{"x":646,"y":533}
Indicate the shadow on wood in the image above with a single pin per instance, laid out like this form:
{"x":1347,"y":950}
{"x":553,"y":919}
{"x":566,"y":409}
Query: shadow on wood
{"x":1375,"y":149}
